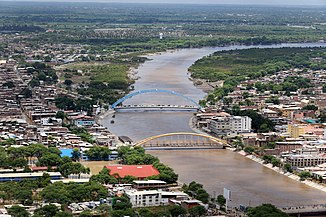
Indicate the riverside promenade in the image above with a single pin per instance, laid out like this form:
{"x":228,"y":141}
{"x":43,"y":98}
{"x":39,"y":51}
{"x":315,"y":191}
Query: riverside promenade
{"x":290,"y":175}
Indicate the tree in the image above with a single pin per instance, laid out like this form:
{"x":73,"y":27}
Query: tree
{"x":104,"y":177}
{"x":98,"y":153}
{"x":75,"y":155}
{"x":18,"y":211}
{"x":50,"y":160}
{"x":47,"y":210}
{"x":144,"y":212}
{"x":266,"y":210}
{"x":310,"y":107}
{"x":121,"y":203}
{"x":27,"y":93}
{"x":86,"y":213}
{"x":72,"y":168}
{"x":177,"y":211}
{"x":63,"y":214}
{"x":275,"y":162}
{"x":221,"y":200}
{"x":304,"y":175}
{"x":249,"y":149}
{"x":23,"y":195}
{"x":197,"y":211}
{"x":288,"y":167}
{"x":55,"y":193}
{"x":68,"y":82}
{"x":60,"y":114}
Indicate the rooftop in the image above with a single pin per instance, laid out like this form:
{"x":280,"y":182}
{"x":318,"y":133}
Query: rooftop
{"x":138,"y":171}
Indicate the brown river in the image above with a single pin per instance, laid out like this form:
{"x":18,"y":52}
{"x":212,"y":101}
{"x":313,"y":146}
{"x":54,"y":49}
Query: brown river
{"x":249,"y":182}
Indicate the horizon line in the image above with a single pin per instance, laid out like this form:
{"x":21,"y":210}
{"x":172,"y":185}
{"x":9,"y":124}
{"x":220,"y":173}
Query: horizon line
{"x":158,"y":3}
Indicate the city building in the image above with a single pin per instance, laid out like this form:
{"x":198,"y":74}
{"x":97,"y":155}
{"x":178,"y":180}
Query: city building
{"x":139,"y":171}
{"x":153,"y":197}
{"x":16,"y":177}
{"x":305,"y":160}
{"x":228,"y":125}
{"x":295,"y":130}
{"x":149,"y":184}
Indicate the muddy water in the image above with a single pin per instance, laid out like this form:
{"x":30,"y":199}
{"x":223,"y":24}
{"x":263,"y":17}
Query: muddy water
{"x":250,"y":182}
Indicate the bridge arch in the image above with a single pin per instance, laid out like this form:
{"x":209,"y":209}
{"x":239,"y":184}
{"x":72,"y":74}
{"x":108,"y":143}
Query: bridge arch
{"x":153,"y":91}
{"x":211,"y":138}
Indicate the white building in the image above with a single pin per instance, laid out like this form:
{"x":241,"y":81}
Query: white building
{"x":227,"y":125}
{"x":153,"y":197}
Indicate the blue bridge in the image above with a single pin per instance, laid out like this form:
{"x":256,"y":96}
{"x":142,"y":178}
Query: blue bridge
{"x":195,"y":104}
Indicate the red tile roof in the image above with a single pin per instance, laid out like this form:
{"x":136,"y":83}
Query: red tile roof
{"x":138,"y":171}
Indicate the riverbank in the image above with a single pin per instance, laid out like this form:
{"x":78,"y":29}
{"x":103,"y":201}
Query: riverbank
{"x":287,"y":174}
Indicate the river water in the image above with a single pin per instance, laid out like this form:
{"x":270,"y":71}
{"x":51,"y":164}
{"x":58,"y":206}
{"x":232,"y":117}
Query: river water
{"x":250,"y":183}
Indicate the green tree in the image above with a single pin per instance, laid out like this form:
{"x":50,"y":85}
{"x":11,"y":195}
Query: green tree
{"x":47,"y":210}
{"x":104,"y":177}
{"x":60,"y":114}
{"x":177,"y":211}
{"x":249,"y":149}
{"x":121,"y":203}
{"x":23,"y":195}
{"x":304,"y":175}
{"x":221,"y":200}
{"x":266,"y":210}
{"x":310,"y":107}
{"x":55,"y":193}
{"x":68,"y":82}
{"x":197,"y":211}
{"x":275,"y":162}
{"x":288,"y":167}
{"x":144,"y":212}
{"x":18,"y":211}
{"x":75,"y":155}
{"x":63,"y":214}
{"x":86,"y":213}
{"x":98,"y":153}
{"x":50,"y":160}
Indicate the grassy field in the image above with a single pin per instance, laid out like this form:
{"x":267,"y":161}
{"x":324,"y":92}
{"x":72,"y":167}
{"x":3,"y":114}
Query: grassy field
{"x":97,"y":166}
{"x":103,"y":72}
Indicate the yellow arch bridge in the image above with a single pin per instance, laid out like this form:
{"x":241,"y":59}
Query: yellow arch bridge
{"x":182,"y":140}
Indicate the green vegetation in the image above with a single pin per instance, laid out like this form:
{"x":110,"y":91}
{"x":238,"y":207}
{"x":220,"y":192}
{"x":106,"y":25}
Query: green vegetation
{"x":266,"y":210}
{"x":304,"y":175}
{"x":197,"y":191}
{"x":271,"y":159}
{"x":310,"y":107}
{"x":221,"y":200}
{"x":290,"y":84}
{"x":73,"y":192}
{"x":98,"y":153}
{"x":68,"y":103}
{"x":238,"y":65}
{"x":14,"y":158}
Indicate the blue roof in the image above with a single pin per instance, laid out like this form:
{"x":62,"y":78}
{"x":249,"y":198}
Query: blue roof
{"x":66,"y":152}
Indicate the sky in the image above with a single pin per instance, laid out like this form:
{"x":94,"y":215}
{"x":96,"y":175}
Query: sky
{"x":261,"y":2}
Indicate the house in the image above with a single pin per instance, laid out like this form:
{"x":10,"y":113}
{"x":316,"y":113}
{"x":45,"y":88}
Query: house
{"x":16,"y":177}
{"x":153,"y":197}
{"x":139,"y":171}
{"x":83,"y":121}
{"x":149,"y":184}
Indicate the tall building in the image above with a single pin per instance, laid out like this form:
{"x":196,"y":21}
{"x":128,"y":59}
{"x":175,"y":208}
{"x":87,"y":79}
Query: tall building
{"x":233,"y":124}
{"x":295,"y":130}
